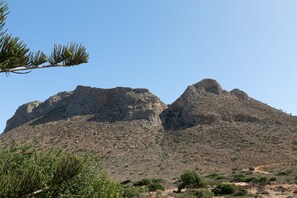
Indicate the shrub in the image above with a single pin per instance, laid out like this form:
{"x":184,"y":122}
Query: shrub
{"x":203,"y":193}
{"x":131,"y":191}
{"x":54,"y":173}
{"x":241,"y":192}
{"x":190,"y":180}
{"x":272,"y":179}
{"x":224,"y":189}
{"x":251,"y":168}
{"x":284,"y":173}
{"x":155,"y":186}
{"x":239,"y":178}
{"x":262,"y":180}
{"x":143,"y":182}
{"x":151,"y":184}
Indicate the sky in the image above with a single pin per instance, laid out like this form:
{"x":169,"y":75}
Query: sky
{"x":161,"y":45}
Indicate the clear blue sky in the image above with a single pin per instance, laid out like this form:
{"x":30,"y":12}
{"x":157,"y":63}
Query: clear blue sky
{"x":162,"y":45}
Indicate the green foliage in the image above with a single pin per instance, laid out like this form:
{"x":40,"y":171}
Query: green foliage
{"x":251,"y":168}
{"x":203,"y":193}
{"x":256,"y":180}
{"x":143,"y":182}
{"x":151,"y":184}
{"x":224,"y":189}
{"x":16,"y":56}
{"x":155,"y":186}
{"x":284,"y":173}
{"x":272,"y":179}
{"x":241,"y":192}
{"x":190,"y":180}
{"x":132,"y":191}
{"x":26,"y":172}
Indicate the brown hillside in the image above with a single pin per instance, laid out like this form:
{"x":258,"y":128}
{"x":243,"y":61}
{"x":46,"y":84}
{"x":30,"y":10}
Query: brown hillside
{"x":138,"y":136}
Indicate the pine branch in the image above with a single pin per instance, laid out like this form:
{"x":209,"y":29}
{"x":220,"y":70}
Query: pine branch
{"x":62,"y":56}
{"x":16,"y":56}
{"x":3,"y":15}
{"x":68,"y":167}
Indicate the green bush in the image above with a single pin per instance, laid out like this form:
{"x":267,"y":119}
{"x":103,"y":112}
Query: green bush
{"x":284,"y":173}
{"x":239,"y":178}
{"x":190,"y":180}
{"x":261,"y":180}
{"x":155,"y":186}
{"x":241,"y":192}
{"x":203,"y":193}
{"x":132,"y":191}
{"x":272,"y":179}
{"x":151,"y":184}
{"x":224,"y":189}
{"x":251,"y":168}
{"x":26,"y":172}
{"x":143,"y":182}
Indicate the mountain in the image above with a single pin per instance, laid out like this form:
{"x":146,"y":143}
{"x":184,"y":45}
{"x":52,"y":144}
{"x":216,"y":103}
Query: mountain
{"x":206,"y":129}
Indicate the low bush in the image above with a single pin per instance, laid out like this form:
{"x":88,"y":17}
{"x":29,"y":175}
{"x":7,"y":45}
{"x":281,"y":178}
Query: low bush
{"x":190,"y":180}
{"x":251,"y":168}
{"x":241,"y":192}
{"x":151,"y":184}
{"x":272,"y":179}
{"x":202,"y":193}
{"x":224,"y":189}
{"x":155,"y":186}
{"x":143,"y":182}
{"x":132,"y":191}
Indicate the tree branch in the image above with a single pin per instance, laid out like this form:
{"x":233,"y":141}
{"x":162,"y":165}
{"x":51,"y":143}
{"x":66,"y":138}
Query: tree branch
{"x":24,"y":68}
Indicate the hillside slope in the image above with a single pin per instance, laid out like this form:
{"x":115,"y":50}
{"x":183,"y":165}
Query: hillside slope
{"x":137,"y":135}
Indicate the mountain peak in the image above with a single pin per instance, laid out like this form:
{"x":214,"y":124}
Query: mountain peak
{"x":208,"y":85}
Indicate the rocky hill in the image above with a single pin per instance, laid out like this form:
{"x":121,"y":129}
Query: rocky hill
{"x":137,"y":135}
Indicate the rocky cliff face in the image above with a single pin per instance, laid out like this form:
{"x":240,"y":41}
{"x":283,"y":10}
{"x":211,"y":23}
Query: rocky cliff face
{"x":106,"y":105}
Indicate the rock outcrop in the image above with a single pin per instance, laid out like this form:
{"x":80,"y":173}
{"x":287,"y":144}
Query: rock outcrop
{"x":239,"y":94}
{"x":108,"y":105}
{"x":206,"y":103}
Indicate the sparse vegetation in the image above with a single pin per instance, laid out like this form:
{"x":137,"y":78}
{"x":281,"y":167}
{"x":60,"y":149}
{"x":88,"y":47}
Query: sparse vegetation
{"x":132,"y":191}
{"x":155,"y":186}
{"x":151,"y":184}
{"x":241,"y":192}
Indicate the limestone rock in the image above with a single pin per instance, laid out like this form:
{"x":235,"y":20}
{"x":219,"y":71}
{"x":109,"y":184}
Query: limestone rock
{"x":239,"y":94}
{"x":104,"y":104}
{"x":186,"y":110}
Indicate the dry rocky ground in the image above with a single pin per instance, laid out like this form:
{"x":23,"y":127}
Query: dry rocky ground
{"x":207,"y":129}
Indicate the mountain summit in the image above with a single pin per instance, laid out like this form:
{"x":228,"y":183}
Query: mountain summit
{"x":206,"y":102}
{"x":207,"y":129}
